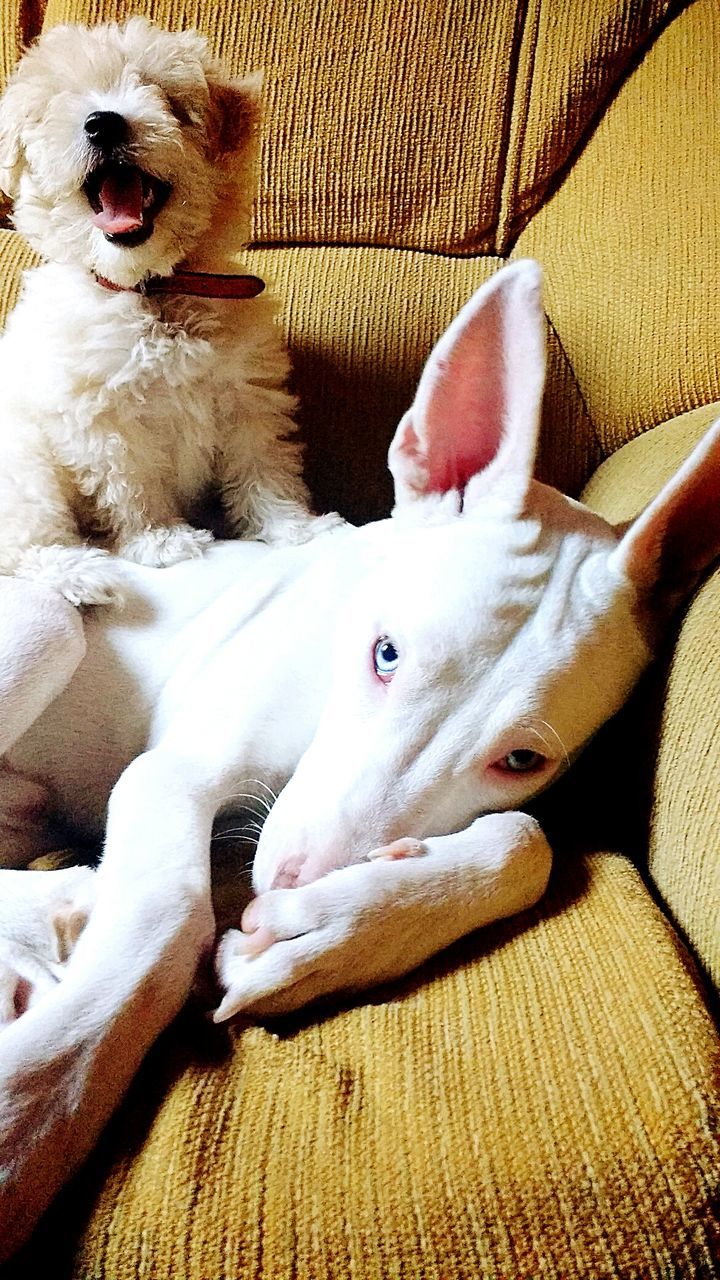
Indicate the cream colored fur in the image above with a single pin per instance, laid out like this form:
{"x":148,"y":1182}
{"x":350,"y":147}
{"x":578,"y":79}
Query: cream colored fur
{"x":119,"y":410}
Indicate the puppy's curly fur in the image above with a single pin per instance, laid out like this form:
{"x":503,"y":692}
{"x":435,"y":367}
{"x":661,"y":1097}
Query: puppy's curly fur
{"x":119,"y":409}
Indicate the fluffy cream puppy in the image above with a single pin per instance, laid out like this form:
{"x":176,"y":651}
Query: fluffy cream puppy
{"x":120,"y":407}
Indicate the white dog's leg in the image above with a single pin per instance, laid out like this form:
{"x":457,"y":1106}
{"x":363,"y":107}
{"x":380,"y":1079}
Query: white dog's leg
{"x":33,"y":500}
{"x":274,"y":509}
{"x":68,"y":1060}
{"x":160,"y":545}
{"x":41,"y":644}
{"x":373,"y":921}
{"x":83,"y":575}
{"x":271,"y":506}
{"x":147,"y":529}
{"x":259,"y":470}
{"x":40,"y":539}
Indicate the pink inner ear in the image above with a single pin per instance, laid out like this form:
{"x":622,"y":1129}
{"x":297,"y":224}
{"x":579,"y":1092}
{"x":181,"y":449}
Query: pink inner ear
{"x":479,"y":395}
{"x":471,"y":451}
{"x":463,"y":404}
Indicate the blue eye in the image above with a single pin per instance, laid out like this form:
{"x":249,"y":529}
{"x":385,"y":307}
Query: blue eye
{"x":521,"y":761}
{"x":385,"y":659}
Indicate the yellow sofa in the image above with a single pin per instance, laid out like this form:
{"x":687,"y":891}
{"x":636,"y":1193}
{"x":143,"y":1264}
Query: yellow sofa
{"x":540,"y":1103}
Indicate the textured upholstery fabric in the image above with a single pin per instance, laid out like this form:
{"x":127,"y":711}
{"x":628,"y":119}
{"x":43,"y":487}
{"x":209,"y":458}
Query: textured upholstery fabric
{"x":361,"y":324}
{"x":15,"y":257}
{"x":364,"y":144}
{"x":684,"y":844}
{"x":571,"y":59}
{"x":543,"y":1108}
{"x":427,"y":126}
{"x":631,"y":241}
{"x":15,"y":31}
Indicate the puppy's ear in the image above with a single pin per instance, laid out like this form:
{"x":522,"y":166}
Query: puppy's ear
{"x":13,"y":112}
{"x":234,"y":111}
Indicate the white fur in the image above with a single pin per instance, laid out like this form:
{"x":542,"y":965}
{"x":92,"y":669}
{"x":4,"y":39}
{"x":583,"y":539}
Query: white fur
{"x":521,"y":622}
{"x":119,"y":410}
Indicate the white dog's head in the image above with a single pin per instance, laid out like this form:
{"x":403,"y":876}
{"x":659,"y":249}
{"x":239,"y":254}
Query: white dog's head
{"x":502,"y":624}
{"x":111,"y":143}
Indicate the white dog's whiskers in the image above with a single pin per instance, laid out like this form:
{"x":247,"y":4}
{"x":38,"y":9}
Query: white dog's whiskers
{"x":258,"y":782}
{"x":531,"y":729}
{"x":240,"y":833}
{"x":265,"y":802}
{"x":253,"y":800}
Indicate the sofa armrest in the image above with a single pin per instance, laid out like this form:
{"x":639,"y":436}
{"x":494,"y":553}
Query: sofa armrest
{"x":684,"y":848}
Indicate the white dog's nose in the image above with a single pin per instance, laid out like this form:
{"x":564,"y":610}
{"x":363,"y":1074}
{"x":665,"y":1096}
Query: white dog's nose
{"x":106,"y":129}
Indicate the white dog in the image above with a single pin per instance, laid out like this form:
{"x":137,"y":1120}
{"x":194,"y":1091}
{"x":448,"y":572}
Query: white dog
{"x":123,"y":400}
{"x":404,"y":677}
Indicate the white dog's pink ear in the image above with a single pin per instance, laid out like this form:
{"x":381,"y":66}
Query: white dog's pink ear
{"x":678,"y":534}
{"x":234,"y":111}
{"x":476,"y":414}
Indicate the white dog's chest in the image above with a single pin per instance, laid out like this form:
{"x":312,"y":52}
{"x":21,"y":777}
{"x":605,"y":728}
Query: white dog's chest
{"x":135,"y":387}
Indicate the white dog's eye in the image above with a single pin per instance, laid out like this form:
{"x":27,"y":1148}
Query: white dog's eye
{"x":521,"y":761}
{"x":385,"y":659}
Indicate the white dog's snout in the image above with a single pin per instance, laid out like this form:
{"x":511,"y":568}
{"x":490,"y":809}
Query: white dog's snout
{"x":106,"y":129}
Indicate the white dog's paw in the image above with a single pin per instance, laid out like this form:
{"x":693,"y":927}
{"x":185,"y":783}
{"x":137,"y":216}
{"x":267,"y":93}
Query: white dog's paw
{"x":163,"y":545}
{"x":42,"y":914}
{"x":344,"y":932}
{"x":83,"y":575}
{"x":293,"y":529}
{"x":329,"y":523}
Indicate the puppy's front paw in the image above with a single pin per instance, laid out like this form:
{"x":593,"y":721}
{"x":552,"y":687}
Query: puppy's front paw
{"x":329,"y":523}
{"x":163,"y":545}
{"x":83,"y":575}
{"x":293,"y":530}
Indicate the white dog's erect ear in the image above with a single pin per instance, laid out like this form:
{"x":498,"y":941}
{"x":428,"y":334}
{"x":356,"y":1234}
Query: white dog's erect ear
{"x":678,"y":534}
{"x":476,"y":414}
{"x":234,"y":110}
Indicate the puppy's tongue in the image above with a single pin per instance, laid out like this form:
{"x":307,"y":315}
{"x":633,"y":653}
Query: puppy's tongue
{"x":121,"y":198}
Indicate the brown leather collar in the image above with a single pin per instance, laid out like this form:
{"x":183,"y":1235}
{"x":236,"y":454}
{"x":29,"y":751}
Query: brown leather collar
{"x":195,"y":283}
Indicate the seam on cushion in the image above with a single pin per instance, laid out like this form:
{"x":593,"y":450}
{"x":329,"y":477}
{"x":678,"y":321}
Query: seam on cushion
{"x":578,"y":388}
{"x":509,"y":112}
{"x":465,"y":256}
{"x":514,"y":152}
{"x":525,"y":215}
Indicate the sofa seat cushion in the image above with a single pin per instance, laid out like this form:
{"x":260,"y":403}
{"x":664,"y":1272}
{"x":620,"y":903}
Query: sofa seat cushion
{"x":681,"y":711}
{"x":541,"y":1101}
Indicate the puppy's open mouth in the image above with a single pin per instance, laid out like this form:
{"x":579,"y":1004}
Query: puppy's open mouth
{"x":125,"y":201}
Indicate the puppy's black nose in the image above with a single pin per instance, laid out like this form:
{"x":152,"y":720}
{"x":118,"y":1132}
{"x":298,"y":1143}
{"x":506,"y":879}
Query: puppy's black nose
{"x":106,"y":129}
